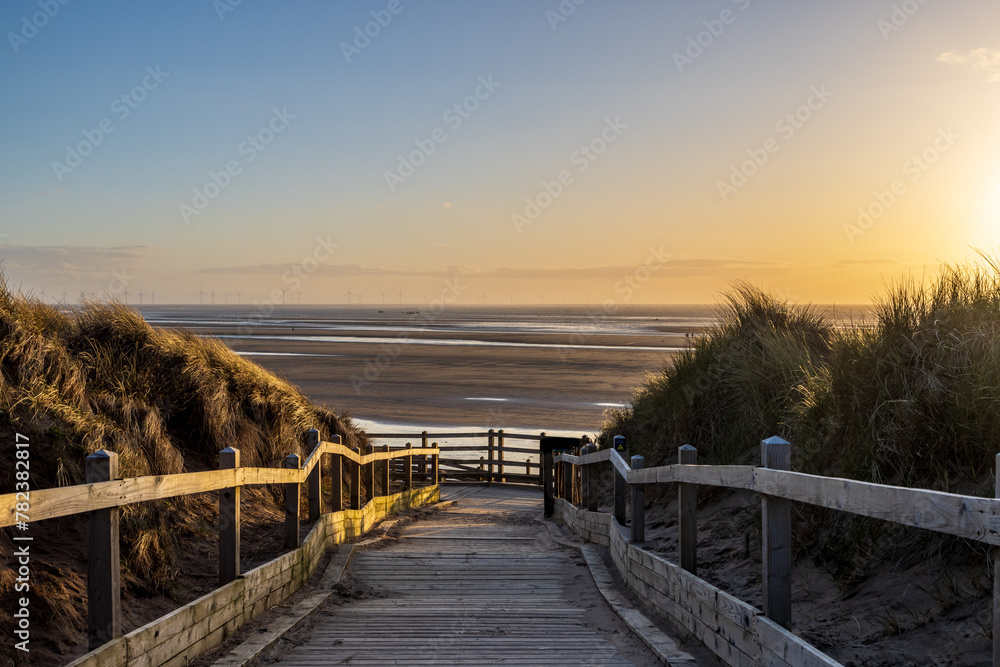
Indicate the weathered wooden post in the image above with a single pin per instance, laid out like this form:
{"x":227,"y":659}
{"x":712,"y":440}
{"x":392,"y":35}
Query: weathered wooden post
{"x":490,"y":453}
{"x":500,"y":477}
{"x":996,"y":578}
{"x":541,"y":477}
{"x":434,"y":467}
{"x":355,"y":474}
{"x":776,"y":533}
{"x":383,"y":469}
{"x":638,"y":535}
{"x":229,"y":521}
{"x":292,"y":499}
{"x":593,"y":476}
{"x":585,"y":479}
{"x":422,"y":460}
{"x":567,"y":484}
{"x":548,"y":487}
{"x":687,"y":507}
{"x":337,"y":481}
{"x":370,"y":474}
{"x":408,"y":470}
{"x":422,"y":465}
{"x":315,"y":476}
{"x":104,"y":616}
{"x":620,"y":483}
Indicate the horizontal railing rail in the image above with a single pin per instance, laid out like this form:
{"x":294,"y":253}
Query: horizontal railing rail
{"x":79,"y":498}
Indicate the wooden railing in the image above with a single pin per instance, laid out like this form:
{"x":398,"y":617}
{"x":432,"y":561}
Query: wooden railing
{"x":104,"y":493}
{"x":488,"y":461}
{"x":970,"y":517}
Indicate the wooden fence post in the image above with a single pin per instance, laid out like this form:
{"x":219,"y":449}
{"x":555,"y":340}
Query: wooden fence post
{"x":500,"y":477}
{"x":490,"y":453}
{"x":315,"y":476}
{"x":585,"y":479}
{"x":638,"y":535}
{"x":355,"y":473}
{"x":687,"y":508}
{"x":776,"y":533}
{"x":620,"y":483}
{"x":422,"y":464}
{"x":104,"y":618}
{"x":292,"y":498}
{"x":370,"y":472}
{"x":408,"y":470}
{"x":229,"y":521}
{"x":434,"y":468}
{"x":548,"y":482}
{"x":422,"y":459}
{"x":593,"y":476}
{"x":383,"y":469}
{"x":337,"y":482}
{"x":567,"y":482}
{"x":541,"y":477}
{"x":996,"y":578}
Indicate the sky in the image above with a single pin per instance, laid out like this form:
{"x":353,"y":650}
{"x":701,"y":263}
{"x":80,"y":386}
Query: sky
{"x":494,"y":151}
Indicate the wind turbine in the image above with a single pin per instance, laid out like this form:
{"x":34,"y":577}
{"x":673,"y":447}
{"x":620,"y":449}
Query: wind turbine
{"x":512,"y":299}
{"x":283,"y":295}
{"x":300,"y":298}
{"x":43,"y":294}
{"x":126,"y":296}
{"x":63,"y":299}
{"x":359,"y":295}
{"x":400,"y":296}
{"x":201,"y":296}
{"x":239,"y":297}
{"x":383,"y":298}
{"x":213,"y":297}
{"x":349,"y":295}
{"x":140,"y":297}
{"x":153,"y":298}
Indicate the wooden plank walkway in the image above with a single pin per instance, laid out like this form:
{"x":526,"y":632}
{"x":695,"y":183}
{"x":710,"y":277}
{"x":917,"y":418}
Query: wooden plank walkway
{"x":478,"y":583}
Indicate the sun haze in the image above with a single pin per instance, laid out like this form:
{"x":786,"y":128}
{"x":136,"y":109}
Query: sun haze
{"x":517,"y":148}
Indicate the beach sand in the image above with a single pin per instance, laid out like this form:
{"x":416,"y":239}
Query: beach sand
{"x":564,"y":387}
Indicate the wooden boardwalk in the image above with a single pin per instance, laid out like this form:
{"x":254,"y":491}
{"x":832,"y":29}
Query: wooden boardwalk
{"x":478,"y":583}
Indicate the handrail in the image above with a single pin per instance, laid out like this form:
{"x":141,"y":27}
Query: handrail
{"x":971,"y":517}
{"x":69,"y":500}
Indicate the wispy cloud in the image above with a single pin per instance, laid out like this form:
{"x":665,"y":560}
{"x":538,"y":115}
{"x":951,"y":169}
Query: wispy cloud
{"x":981,"y":60}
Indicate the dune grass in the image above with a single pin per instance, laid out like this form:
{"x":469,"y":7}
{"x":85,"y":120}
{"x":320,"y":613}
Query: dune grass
{"x":911,"y":397}
{"x":100,"y":377}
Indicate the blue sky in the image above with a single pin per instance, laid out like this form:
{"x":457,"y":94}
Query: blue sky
{"x":555,"y":86}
